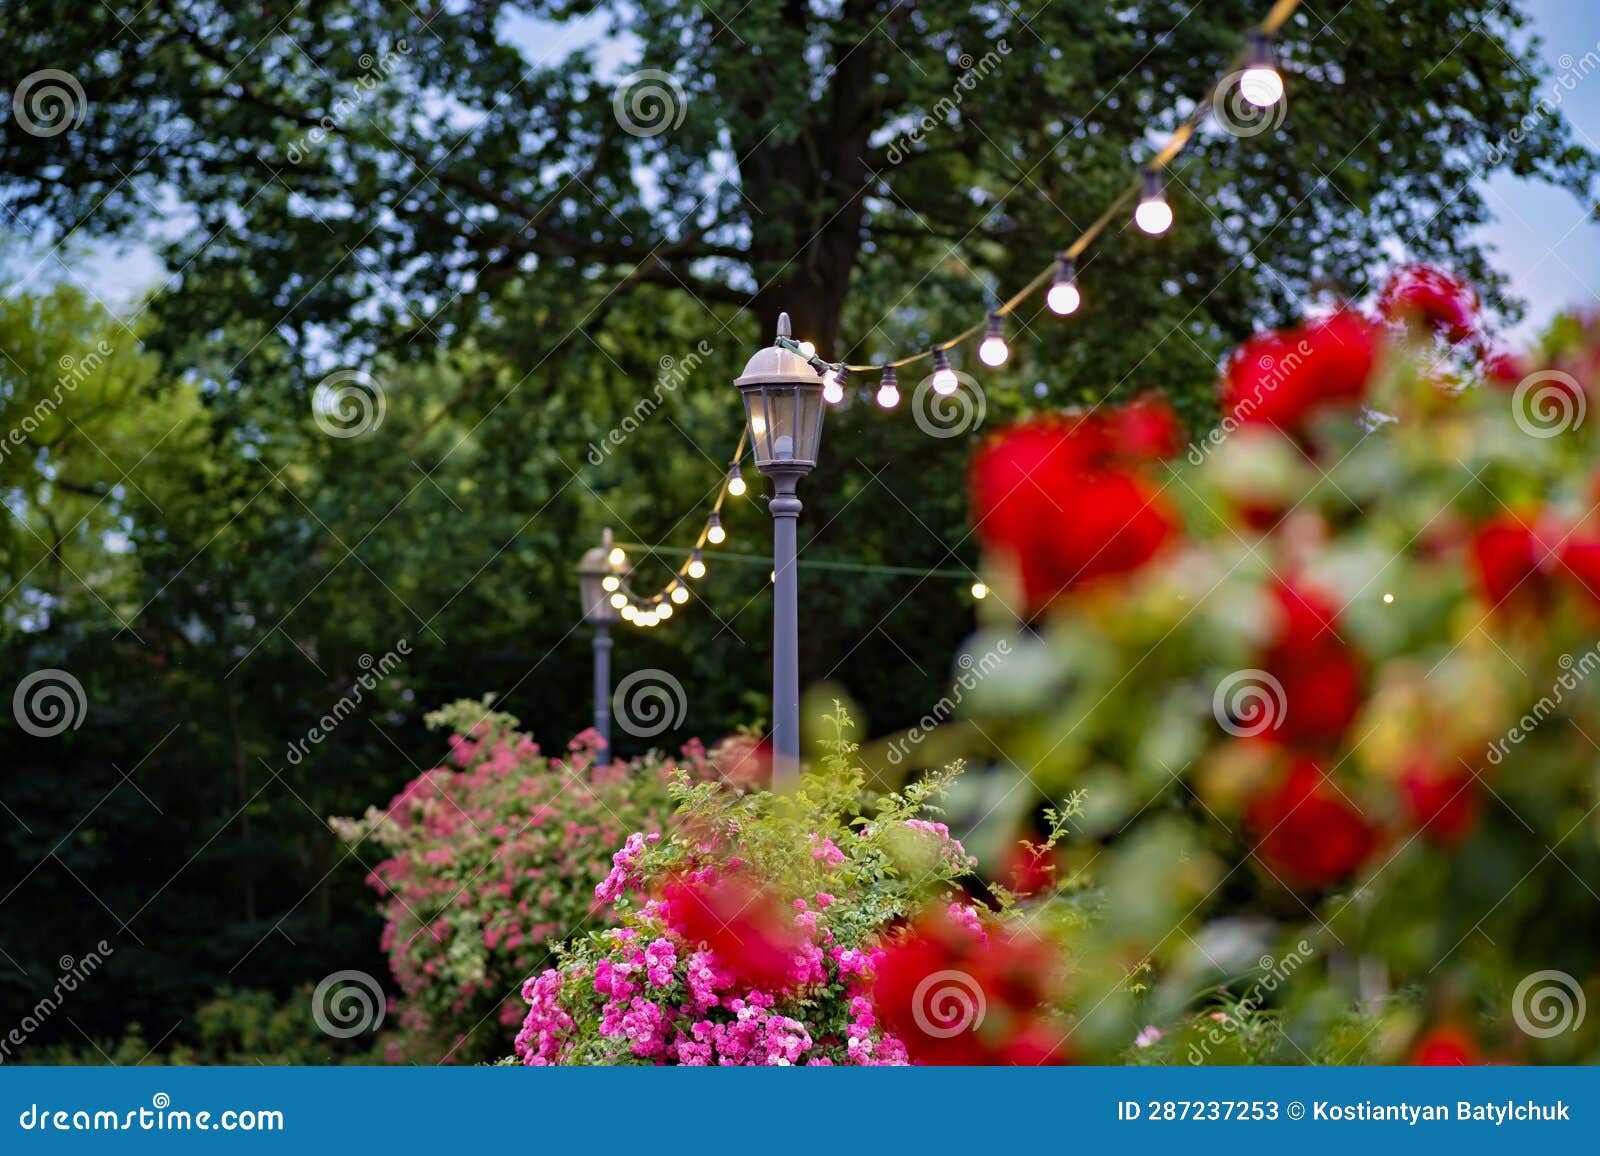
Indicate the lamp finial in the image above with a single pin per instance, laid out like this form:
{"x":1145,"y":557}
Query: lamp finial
{"x":783,"y":325}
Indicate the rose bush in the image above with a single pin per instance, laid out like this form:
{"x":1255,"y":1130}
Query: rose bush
{"x":489,"y":860}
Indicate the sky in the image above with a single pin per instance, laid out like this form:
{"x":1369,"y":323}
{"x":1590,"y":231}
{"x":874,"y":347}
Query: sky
{"x":1543,"y":238}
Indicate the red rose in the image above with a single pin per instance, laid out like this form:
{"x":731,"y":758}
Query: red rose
{"x":1580,"y":562}
{"x":1510,"y":557}
{"x":1024,"y":872}
{"x":744,"y":926}
{"x":1320,"y":675}
{"x":1430,"y":299}
{"x":953,"y":995}
{"x":1445,"y":1046}
{"x":1145,"y":429}
{"x":1307,"y":833}
{"x":1284,"y":378}
{"x":1443,"y":805}
{"x":1043,"y":499}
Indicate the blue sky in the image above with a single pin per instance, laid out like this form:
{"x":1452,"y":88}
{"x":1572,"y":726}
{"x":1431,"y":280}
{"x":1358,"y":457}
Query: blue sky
{"x":1543,"y":238}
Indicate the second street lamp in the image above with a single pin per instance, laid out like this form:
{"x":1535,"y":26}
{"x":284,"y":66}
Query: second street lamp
{"x":600,"y":575}
{"x":783,"y":413}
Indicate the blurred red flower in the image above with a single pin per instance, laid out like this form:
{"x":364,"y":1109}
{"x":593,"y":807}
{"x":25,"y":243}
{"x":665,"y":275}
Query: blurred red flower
{"x":1025,"y":871}
{"x":1307,"y":834}
{"x":1284,"y":377}
{"x":1045,"y":499}
{"x":1430,"y":299}
{"x":1320,"y":675}
{"x":1444,"y":805}
{"x":746,"y":927}
{"x":1444,"y":1046}
{"x":955,"y":994}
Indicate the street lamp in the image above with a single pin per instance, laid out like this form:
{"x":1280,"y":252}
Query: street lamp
{"x":599,"y":577}
{"x":783,"y":412}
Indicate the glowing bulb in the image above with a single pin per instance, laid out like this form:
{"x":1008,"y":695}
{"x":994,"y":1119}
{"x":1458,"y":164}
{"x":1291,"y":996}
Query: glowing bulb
{"x":1388,"y":597}
{"x":619,"y":600}
{"x":646,"y":618}
{"x":1261,"y":84}
{"x":630,"y":613}
{"x":610,"y":582}
{"x":736,"y":485}
{"x":889,"y":388}
{"x":617,"y":557}
{"x":758,"y":424}
{"x":833,"y":386}
{"x":715,"y":534}
{"x":697,"y":565}
{"x":1064,"y":297}
{"x":994,"y":351}
{"x":980,"y":591}
{"x":664,"y":611}
{"x":944,"y":378}
{"x":1153,"y":215}
{"x":772,"y":576}
{"x":807,"y":349}
{"x":680,"y":594}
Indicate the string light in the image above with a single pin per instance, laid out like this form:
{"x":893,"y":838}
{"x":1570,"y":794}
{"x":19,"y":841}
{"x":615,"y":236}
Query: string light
{"x":944,"y":378}
{"x":994,"y":351}
{"x":889,"y":388}
{"x":1064,"y":298}
{"x":980,"y":591}
{"x":697,"y":564}
{"x":833,"y":385}
{"x":736,"y":485}
{"x":617,"y":557}
{"x":610,"y":583}
{"x":619,"y":600}
{"x":630,"y":613}
{"x":664,"y":611}
{"x":715,"y":534}
{"x":1153,"y":215}
{"x":680,"y":594}
{"x":1261,"y":84}
{"x":807,"y":349}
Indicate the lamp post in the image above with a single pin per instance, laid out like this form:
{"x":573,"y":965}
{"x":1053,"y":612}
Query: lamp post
{"x":600,"y":574}
{"x":783,"y":412}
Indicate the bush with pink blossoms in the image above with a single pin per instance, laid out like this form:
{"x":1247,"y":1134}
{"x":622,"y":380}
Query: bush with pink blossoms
{"x":488,"y":861}
{"x":749,"y":932}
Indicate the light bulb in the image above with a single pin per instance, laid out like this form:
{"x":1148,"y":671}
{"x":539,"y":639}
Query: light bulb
{"x":807,"y":349}
{"x":980,"y":591}
{"x":1153,"y":215}
{"x":610,"y":582}
{"x":680,"y":594}
{"x":736,"y":485}
{"x":1064,"y":297}
{"x":833,"y":386}
{"x":617,"y":557}
{"x":664,"y":611}
{"x":1261,"y":84}
{"x":715,"y":534}
{"x":646,"y":618}
{"x":889,"y":388}
{"x":697,"y":565}
{"x":630,"y":613}
{"x":619,"y":600}
{"x":944,"y":378}
{"x":994,"y":351}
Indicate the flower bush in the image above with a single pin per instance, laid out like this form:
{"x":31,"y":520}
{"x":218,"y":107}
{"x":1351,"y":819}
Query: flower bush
{"x":817,"y":927}
{"x":1324,"y":678}
{"x":487,"y":862}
